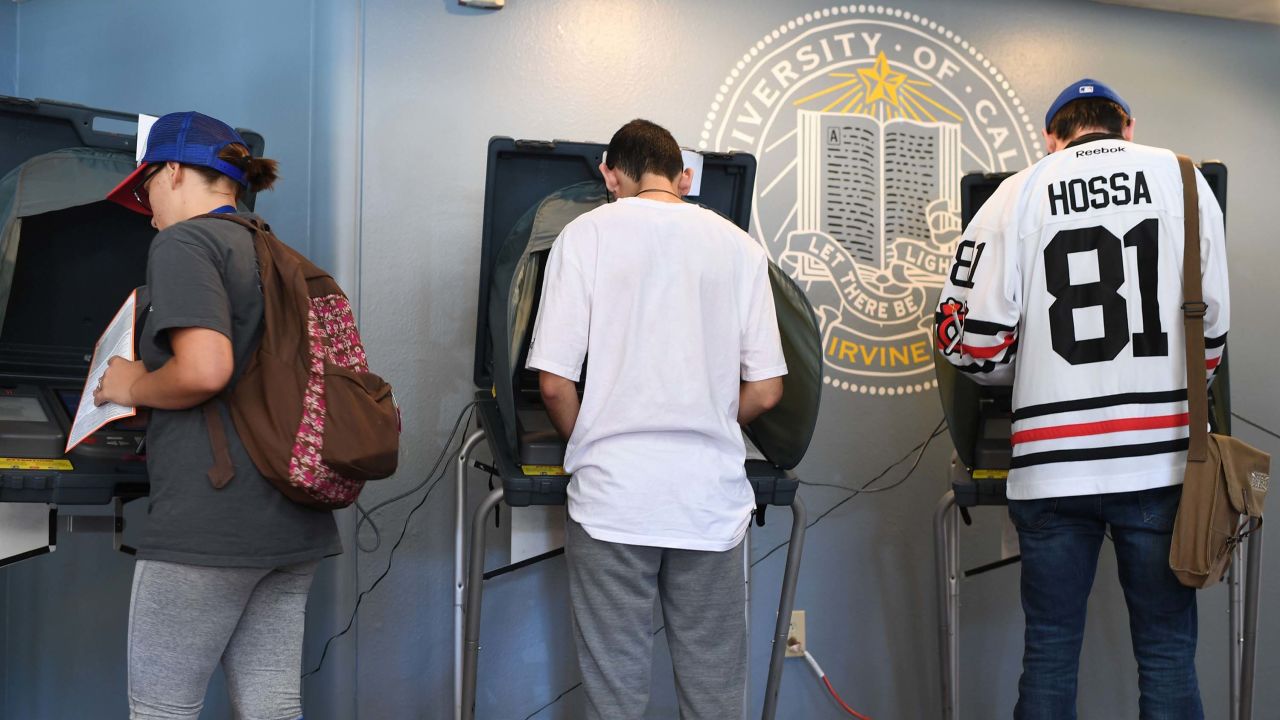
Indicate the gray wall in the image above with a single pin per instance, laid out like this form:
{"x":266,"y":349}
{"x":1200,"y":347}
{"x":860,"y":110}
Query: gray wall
{"x":403,"y":95}
{"x":248,"y":64}
{"x":440,"y":81}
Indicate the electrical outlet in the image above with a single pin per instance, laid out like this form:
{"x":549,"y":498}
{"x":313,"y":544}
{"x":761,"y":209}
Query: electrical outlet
{"x":795,"y":634}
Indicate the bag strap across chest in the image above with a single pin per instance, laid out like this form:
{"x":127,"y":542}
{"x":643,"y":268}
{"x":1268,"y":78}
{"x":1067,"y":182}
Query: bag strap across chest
{"x":1193,"y":312}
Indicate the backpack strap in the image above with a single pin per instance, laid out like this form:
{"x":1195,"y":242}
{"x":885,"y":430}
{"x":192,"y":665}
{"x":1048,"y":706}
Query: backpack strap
{"x":223,"y":469}
{"x":250,"y":225}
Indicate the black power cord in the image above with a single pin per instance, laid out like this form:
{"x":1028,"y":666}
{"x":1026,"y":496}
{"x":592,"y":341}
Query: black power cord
{"x":854,"y":492}
{"x":866,"y":488}
{"x":434,"y":476}
{"x":559,"y":697}
{"x":366,"y":515}
{"x":1247,"y":421}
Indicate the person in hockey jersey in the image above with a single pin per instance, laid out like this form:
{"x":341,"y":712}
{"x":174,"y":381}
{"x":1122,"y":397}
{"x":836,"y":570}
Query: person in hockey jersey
{"x":1068,"y":284}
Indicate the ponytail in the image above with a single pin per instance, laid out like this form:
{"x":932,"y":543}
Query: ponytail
{"x":259,"y":173}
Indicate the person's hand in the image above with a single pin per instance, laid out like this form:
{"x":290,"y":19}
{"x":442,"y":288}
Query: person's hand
{"x":117,"y":383}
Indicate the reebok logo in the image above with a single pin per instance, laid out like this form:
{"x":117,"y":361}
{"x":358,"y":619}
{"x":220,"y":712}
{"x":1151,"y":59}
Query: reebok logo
{"x":1259,"y":480}
{"x":1099,"y":151}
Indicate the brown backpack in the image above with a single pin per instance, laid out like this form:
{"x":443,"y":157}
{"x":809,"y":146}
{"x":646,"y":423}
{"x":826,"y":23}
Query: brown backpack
{"x":315,"y":421}
{"x":1226,"y":480}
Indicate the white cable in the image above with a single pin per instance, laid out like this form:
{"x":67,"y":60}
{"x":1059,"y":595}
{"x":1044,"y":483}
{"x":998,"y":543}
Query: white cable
{"x":822,"y":676}
{"x":817,"y":669}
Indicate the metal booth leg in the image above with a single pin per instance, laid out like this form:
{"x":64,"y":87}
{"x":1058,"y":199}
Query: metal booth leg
{"x":787,"y":601}
{"x":471,"y":609}
{"x":1235,"y":626}
{"x":1249,"y":653}
{"x":946,"y":535}
{"x":459,"y":564}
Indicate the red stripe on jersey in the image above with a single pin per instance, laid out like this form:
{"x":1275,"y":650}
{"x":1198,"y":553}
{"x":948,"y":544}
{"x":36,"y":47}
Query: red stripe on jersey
{"x":986,"y":353}
{"x":1212,"y":363}
{"x":1100,"y":428}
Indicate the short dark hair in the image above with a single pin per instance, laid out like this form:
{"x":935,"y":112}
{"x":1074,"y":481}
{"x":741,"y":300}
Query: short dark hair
{"x":641,"y":146}
{"x":1080,"y":115}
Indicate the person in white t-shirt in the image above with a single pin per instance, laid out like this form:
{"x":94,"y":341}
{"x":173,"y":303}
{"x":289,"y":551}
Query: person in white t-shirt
{"x":674,"y":304}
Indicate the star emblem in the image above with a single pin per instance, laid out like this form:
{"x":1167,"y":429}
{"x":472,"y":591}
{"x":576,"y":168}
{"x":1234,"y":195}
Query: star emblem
{"x":880,"y":82}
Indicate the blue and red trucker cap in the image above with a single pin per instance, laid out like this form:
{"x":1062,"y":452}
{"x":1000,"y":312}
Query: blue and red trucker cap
{"x":190,"y":138}
{"x":1083,"y":90}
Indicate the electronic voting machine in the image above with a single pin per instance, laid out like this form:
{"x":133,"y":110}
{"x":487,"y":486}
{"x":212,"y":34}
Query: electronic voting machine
{"x":68,"y":259}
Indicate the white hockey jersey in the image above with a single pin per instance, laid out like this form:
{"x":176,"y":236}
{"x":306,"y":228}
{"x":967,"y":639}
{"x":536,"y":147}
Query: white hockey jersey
{"x":1074,"y":268}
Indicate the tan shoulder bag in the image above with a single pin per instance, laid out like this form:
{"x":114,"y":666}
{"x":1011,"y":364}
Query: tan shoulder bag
{"x":1226,"y":480}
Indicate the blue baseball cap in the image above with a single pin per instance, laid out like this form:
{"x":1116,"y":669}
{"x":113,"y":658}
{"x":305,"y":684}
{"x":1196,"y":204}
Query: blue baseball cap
{"x":1083,"y":90}
{"x":190,"y":138}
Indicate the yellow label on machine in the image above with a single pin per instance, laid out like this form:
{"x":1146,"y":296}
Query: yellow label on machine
{"x":990,"y":474}
{"x":543,"y":470}
{"x":34,"y":464}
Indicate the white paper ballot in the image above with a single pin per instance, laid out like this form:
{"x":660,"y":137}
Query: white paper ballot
{"x":144,"y":131}
{"x":693,"y":159}
{"x":117,"y":340}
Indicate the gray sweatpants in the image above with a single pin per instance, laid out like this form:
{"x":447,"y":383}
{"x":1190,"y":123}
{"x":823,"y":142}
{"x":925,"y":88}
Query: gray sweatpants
{"x":612,"y":589}
{"x":185,"y":619}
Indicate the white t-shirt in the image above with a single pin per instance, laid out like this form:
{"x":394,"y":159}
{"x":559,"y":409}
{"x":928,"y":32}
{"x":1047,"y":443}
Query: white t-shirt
{"x":675,"y":305}
{"x":1074,"y":267}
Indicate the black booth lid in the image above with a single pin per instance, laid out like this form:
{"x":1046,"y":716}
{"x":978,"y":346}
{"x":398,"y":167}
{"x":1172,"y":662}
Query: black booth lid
{"x":521,"y":173}
{"x":34,"y":127}
{"x":72,"y":266}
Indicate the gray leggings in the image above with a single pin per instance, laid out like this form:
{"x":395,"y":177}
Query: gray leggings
{"x":184,"y":619}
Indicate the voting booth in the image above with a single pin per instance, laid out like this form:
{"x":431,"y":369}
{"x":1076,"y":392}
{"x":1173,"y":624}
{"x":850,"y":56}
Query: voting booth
{"x":68,"y":260}
{"x":533,"y":189}
{"x":979,"y":419}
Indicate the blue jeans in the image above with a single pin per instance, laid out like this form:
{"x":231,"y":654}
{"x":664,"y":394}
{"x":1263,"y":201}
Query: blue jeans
{"x":1060,"y":539}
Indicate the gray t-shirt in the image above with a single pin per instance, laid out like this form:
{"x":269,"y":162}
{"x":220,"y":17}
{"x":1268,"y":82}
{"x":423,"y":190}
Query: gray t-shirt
{"x":204,"y":273}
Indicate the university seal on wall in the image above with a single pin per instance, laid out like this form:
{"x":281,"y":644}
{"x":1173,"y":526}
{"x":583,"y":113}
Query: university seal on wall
{"x":863,"y":119}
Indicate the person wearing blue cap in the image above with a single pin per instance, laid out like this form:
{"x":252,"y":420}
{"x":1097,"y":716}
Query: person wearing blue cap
{"x":223,"y":572}
{"x":1099,"y":116}
{"x":1068,"y":284}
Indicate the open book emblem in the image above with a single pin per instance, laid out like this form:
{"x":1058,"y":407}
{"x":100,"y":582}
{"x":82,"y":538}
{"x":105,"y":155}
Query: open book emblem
{"x":863,"y":119}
